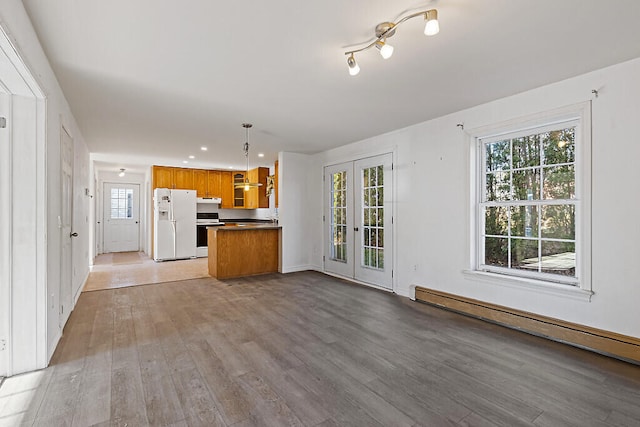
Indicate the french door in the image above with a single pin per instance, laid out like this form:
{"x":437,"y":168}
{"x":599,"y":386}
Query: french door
{"x":358,"y":220}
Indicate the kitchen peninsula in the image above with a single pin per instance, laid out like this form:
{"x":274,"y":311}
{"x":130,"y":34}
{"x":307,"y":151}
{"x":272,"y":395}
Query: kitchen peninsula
{"x":244,"y":250}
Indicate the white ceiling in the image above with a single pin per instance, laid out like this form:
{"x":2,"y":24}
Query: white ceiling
{"x":150,"y":81}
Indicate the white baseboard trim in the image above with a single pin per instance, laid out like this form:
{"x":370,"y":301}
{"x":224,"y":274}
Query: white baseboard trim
{"x":52,"y":348}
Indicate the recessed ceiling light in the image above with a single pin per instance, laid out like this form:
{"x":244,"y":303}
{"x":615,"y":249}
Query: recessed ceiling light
{"x":192,"y":157}
{"x":260,"y":154}
{"x":230,"y":167}
{"x":203,"y":148}
{"x":185,"y":161}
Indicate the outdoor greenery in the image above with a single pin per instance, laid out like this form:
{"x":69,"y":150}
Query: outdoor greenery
{"x":529,"y":211}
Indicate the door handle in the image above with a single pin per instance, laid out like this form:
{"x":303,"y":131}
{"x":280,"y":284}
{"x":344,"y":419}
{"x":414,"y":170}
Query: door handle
{"x":136,"y":222}
{"x":355,"y":228}
{"x":73,"y":235}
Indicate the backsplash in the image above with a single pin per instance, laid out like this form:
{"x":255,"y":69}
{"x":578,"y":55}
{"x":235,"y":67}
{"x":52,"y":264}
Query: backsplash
{"x":266,"y":213}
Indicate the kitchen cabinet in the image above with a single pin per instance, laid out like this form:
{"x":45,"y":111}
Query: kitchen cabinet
{"x":238,"y":192}
{"x":183,"y":178}
{"x":256,"y":197}
{"x":162,"y":177}
{"x":207,"y":183}
{"x":226,"y":189}
{"x":200,"y":182}
{"x":215,"y":183}
{"x":175,"y":178}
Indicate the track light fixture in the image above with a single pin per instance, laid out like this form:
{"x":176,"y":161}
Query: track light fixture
{"x":388,"y":29}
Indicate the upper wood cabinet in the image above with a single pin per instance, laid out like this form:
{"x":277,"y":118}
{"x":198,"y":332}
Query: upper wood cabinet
{"x":183,"y":178}
{"x":215,"y":183}
{"x":238,"y":192}
{"x":168,"y":177}
{"x":226,"y":189}
{"x":200,"y":182}
{"x":256,"y":197}
{"x":162,"y":177}
{"x":207,"y":183}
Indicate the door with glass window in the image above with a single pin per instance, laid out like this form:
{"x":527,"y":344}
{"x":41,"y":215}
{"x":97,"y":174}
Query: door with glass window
{"x":358,"y":220}
{"x":121,"y":217}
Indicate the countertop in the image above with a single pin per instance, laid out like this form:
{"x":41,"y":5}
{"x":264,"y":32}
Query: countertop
{"x":245,"y":226}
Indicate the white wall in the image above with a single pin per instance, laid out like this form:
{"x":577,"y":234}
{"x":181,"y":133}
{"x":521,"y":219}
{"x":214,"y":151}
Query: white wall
{"x":46,"y":302}
{"x":297,"y":180}
{"x":433,"y":211}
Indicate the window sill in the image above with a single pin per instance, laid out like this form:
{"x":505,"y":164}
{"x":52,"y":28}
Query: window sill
{"x":539,"y":286}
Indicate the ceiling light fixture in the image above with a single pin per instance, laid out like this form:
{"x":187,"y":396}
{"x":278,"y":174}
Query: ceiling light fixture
{"x":386,"y":50}
{"x":121,"y":174}
{"x":246,"y":184}
{"x":388,"y":29}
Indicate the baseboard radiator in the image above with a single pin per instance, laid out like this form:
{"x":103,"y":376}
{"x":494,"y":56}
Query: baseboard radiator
{"x":609,"y":343}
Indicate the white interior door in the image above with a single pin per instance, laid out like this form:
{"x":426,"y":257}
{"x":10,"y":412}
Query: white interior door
{"x":5,"y":235}
{"x":121,"y":217}
{"x":358,"y":220}
{"x":66,"y":221}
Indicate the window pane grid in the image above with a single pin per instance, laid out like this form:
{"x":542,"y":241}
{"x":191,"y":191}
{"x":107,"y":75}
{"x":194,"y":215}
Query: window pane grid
{"x":373,"y":217}
{"x":528,"y":203}
{"x":339,"y":217}
{"x":121,"y":203}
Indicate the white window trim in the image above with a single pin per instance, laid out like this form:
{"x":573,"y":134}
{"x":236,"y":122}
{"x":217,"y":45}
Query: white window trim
{"x":582,"y":289}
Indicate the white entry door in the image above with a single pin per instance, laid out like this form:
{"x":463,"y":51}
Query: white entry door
{"x":121,"y":217}
{"x":358,"y":220}
{"x":67,"y":234}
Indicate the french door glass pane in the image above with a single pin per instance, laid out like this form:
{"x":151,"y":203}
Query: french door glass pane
{"x":339,"y":216}
{"x":373,"y":217}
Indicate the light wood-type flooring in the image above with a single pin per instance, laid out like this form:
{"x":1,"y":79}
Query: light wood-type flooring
{"x":305,"y":349}
{"x":123,"y":269}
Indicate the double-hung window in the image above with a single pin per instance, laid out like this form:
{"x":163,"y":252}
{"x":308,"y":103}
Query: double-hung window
{"x":532,"y":193}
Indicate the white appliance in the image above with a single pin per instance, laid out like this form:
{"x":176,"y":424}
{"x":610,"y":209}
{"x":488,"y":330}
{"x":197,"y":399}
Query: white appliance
{"x":203,"y":221}
{"x":174,"y":224}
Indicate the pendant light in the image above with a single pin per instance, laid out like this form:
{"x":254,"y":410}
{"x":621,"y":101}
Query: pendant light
{"x":246,"y":184}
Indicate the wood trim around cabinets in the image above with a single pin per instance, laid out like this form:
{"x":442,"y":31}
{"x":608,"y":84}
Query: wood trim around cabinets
{"x":609,"y":343}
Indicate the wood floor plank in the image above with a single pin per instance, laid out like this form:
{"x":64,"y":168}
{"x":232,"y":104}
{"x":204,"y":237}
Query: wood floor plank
{"x":197,"y":403}
{"x":307,"y":349}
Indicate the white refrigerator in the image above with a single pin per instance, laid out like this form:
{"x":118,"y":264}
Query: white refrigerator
{"x":174,"y":224}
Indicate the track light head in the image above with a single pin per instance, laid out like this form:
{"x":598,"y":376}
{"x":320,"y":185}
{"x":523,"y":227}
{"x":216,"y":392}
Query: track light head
{"x":354,"y":69}
{"x":386,"y":50}
{"x":432,"y":27}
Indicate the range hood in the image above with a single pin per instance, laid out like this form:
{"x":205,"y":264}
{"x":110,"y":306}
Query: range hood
{"x":215,"y":200}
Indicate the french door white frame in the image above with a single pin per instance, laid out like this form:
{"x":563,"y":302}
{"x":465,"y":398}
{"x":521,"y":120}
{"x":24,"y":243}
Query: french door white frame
{"x":344,"y":251}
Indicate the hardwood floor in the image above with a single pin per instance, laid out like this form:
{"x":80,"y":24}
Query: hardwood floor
{"x":305,"y":349}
